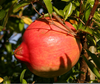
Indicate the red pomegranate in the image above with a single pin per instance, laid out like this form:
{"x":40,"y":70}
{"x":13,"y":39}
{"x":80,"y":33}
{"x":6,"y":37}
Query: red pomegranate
{"x":47,"y":50}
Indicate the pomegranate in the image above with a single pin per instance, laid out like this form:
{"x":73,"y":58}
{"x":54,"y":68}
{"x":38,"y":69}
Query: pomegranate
{"x":47,"y":50}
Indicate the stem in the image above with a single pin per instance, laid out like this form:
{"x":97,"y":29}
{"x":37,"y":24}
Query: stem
{"x":92,"y":12}
{"x":59,"y":19}
{"x":84,"y":67}
{"x":80,"y":20}
{"x":35,"y":9}
{"x":70,"y":31}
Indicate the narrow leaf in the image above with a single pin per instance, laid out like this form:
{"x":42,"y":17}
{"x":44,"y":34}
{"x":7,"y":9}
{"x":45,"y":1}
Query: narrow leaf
{"x":92,"y":67}
{"x":94,"y":58}
{"x":24,"y":81}
{"x":20,"y":5}
{"x":59,"y":12}
{"x":1,"y":27}
{"x":66,"y":0}
{"x":8,"y":47}
{"x":22,"y":75}
{"x":56,"y":10}
{"x":2,"y":14}
{"x":85,"y":29}
{"x":48,"y":5}
{"x":87,"y":13}
{"x":65,"y":9}
{"x":69,"y":11}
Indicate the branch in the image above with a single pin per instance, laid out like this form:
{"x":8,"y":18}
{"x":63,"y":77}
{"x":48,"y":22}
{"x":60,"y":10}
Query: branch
{"x":70,"y":31}
{"x":59,"y":19}
{"x":92,"y":12}
{"x":83,"y":65}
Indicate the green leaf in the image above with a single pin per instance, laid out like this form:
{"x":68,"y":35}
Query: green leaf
{"x":69,"y":11}
{"x":1,"y":27}
{"x":8,"y":47}
{"x":20,"y":5}
{"x":92,"y":67}
{"x":6,"y":80}
{"x":65,"y":0}
{"x":7,"y":16}
{"x":22,"y":75}
{"x":77,"y":3}
{"x":59,"y":12}
{"x":87,"y":13}
{"x":49,"y":6}
{"x":97,"y":34}
{"x":85,"y":29}
{"x":24,"y":81}
{"x":98,"y":42}
{"x":91,"y":2}
{"x":56,"y":10}
{"x":65,"y":9}
{"x":97,"y":16}
{"x":94,"y":58}
{"x":21,"y":25}
{"x":2,"y":14}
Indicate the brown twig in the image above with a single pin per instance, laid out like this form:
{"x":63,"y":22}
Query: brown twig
{"x":80,"y":20}
{"x":81,"y":2}
{"x":95,"y":21}
{"x":69,"y":31}
{"x":35,"y":9}
{"x":83,"y":65}
{"x":92,"y":12}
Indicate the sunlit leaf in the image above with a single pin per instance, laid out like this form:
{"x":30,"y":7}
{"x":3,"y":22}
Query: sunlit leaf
{"x":59,"y":12}
{"x":24,"y":81}
{"x":66,"y":0}
{"x":8,"y":47}
{"x":97,"y":34}
{"x":56,"y":10}
{"x":21,"y":25}
{"x":97,"y":16}
{"x":26,"y":20}
{"x":91,"y":2}
{"x":20,"y":5}
{"x":85,"y":29}
{"x":87,"y":13}
{"x":77,"y":3}
{"x":65,"y":9}
{"x":48,"y":5}
{"x":22,"y":75}
{"x":69,"y":11}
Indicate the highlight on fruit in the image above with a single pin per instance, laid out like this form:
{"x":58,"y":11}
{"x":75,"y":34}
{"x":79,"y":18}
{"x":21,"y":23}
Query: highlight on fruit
{"x":48,"y":50}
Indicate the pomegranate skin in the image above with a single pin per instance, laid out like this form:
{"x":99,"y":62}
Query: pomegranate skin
{"x":47,"y":50}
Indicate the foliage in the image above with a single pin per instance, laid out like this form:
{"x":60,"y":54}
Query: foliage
{"x":15,"y":14}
